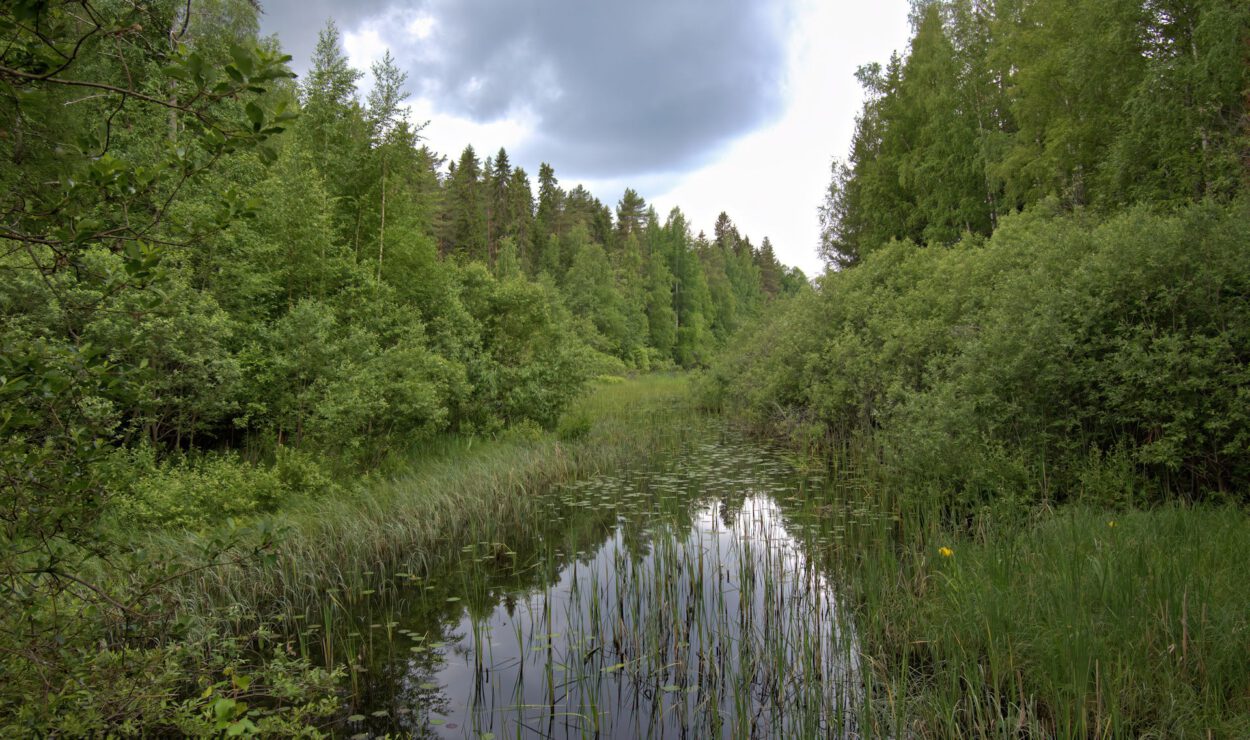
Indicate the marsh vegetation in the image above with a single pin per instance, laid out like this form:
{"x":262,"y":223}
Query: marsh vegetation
{"x":306,"y":428}
{"x":672,"y":599}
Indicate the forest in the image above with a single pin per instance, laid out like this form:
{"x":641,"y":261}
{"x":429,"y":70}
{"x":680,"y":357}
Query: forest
{"x":278,"y":379}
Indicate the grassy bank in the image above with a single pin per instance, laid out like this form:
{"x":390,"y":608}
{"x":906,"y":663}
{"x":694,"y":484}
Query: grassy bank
{"x":1071,"y":622}
{"x":459,"y":490}
{"x":220,"y":657}
{"x":1082,"y":624}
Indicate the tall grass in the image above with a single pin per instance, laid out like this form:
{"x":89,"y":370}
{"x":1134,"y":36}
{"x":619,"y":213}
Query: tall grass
{"x":1084,"y":624}
{"x":1075,"y":622}
{"x":457,"y":491}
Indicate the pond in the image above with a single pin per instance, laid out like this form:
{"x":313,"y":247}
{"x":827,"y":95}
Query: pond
{"x":674,"y":601}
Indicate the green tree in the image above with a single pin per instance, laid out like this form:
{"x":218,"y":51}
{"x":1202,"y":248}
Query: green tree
{"x":549,"y":219}
{"x":520,"y":218}
{"x":334,"y":131}
{"x":631,"y":268}
{"x":1077,"y":62}
{"x":770,"y":269}
{"x":943,"y":165}
{"x":631,"y":214}
{"x":90,"y":216}
{"x":466,"y":236}
{"x":661,"y":318}
{"x":1186,"y":133}
{"x":692,"y":302}
{"x":496,"y":180}
{"x":592,"y":296}
{"x":388,"y":122}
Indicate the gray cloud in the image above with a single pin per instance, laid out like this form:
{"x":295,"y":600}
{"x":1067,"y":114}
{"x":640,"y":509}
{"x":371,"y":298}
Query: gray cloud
{"x":297,"y":22}
{"x":618,"y":88}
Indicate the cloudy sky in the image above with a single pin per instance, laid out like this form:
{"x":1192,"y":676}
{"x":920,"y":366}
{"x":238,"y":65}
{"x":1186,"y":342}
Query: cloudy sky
{"x":710,"y":105}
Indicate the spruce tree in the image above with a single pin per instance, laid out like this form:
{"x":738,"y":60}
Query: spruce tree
{"x":466,"y":235}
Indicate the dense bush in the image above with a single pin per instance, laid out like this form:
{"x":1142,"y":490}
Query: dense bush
{"x":1061,"y":359}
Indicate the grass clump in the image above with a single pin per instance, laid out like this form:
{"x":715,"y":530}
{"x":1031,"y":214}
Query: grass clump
{"x":1083,"y":624}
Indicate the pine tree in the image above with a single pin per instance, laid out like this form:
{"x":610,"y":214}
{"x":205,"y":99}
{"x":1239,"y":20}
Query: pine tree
{"x":770,"y":269}
{"x":631,"y":214}
{"x":497,"y":179}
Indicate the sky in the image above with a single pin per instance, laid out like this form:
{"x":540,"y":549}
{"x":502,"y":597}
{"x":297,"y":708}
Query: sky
{"x":708,"y":105}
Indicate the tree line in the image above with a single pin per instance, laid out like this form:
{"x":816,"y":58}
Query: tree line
{"x":1029,"y":363}
{"x":1000,"y":104}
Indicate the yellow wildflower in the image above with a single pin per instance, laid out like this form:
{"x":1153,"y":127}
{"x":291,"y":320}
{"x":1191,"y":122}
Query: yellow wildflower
{"x":946,"y":552}
{"x":1111,"y":524}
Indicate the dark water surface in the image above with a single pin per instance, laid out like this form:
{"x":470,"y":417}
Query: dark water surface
{"x":670,"y":602}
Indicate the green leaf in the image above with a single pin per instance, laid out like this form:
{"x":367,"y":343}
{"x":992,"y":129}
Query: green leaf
{"x":244,"y":60}
{"x":255,"y":114}
{"x":224,"y":709}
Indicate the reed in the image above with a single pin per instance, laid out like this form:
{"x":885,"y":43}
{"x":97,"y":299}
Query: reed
{"x":458,"y":490}
{"x":1072,"y":622}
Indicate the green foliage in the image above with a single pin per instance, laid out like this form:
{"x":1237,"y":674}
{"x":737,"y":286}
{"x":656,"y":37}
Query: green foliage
{"x":1001,"y":105}
{"x":573,"y":427}
{"x":107,"y":123}
{"x":1020,"y":367}
{"x":196,"y":494}
{"x":214,"y":685}
{"x":598,"y":303}
{"x":528,"y":367}
{"x":1085,"y":623}
{"x":212,"y":310}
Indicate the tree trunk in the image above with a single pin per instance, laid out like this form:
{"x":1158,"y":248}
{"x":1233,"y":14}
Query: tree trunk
{"x":382,"y":227}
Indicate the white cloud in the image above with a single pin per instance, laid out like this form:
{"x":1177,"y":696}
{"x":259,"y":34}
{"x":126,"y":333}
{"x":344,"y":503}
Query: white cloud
{"x":772,"y":181}
{"x":364,"y":46}
{"x":448,"y":134}
{"x":421,"y":27}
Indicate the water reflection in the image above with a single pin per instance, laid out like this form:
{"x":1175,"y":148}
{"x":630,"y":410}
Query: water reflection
{"x":687,"y":608}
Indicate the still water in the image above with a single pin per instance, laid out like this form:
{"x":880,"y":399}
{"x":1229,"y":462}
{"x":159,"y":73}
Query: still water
{"x":676,"y":601}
